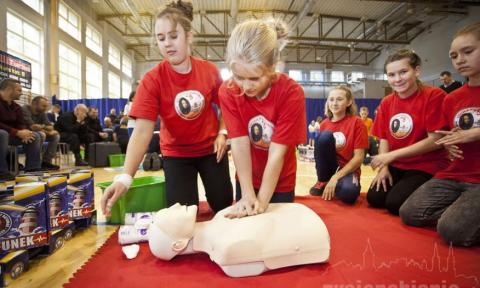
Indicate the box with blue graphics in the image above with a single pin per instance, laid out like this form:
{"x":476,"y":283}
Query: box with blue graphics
{"x":81,"y":195}
{"x":57,"y":197}
{"x":23,"y":217}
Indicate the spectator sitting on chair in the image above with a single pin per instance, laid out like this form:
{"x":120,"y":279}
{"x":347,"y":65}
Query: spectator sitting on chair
{"x":94,"y":128}
{"x":54,"y":113}
{"x":13,"y":130}
{"x":71,"y":126}
{"x":36,"y":119}
{"x":113,"y":116}
{"x":107,"y":123}
{"x":108,"y":128}
{"x":120,"y":134}
{"x":448,"y":83}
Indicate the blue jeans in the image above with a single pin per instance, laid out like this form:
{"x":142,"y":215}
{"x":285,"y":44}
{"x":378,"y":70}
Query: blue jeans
{"x":326,"y":164}
{"x":32,"y":150}
{"x":454,"y":207}
{"x":52,"y":146}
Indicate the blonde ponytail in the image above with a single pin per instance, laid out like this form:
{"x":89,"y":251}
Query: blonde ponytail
{"x":257,"y":42}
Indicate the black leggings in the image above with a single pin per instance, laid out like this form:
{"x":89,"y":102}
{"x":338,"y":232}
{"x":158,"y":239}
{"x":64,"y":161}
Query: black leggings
{"x":405,"y":182}
{"x":181,"y":174}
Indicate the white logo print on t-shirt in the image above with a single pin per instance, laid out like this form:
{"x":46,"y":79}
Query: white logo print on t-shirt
{"x":340,"y":140}
{"x":401,"y":125}
{"x":189,"y":104}
{"x":260,"y":132}
{"x":467,"y":118}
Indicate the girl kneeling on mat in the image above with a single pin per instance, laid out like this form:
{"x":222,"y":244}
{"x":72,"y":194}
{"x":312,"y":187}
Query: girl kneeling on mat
{"x":264,"y":112}
{"x":340,"y":148}
{"x":181,"y":89}
{"x":451,"y":200}
{"x":405,"y":124}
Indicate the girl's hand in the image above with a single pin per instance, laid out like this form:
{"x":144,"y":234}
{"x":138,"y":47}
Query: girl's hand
{"x":382,"y":160}
{"x":244,"y":207}
{"x":381,"y":178}
{"x":454,"y":136}
{"x":220,"y":146}
{"x":454,"y":152}
{"x":262,"y":206}
{"x":329,"y":191}
{"x":111,"y":195}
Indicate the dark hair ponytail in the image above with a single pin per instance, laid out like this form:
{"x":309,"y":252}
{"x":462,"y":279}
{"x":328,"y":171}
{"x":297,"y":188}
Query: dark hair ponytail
{"x":178,"y":12}
{"x":413,"y":60}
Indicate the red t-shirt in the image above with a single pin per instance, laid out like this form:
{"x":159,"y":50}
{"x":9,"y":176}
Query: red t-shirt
{"x":350,"y":133}
{"x":403,"y":122}
{"x":461,"y":108}
{"x":279,"y":118}
{"x":189,"y":124}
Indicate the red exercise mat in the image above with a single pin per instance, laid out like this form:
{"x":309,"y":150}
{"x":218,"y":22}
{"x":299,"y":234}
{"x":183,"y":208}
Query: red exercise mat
{"x":368,"y":247}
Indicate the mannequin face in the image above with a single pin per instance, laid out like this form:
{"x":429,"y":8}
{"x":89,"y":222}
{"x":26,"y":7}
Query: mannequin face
{"x":171,"y":230}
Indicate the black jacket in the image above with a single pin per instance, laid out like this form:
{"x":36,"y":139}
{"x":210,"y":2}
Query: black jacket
{"x":67,"y":123}
{"x":93,"y":125}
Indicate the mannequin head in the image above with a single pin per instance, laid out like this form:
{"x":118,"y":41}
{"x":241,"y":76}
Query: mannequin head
{"x":171,"y":230}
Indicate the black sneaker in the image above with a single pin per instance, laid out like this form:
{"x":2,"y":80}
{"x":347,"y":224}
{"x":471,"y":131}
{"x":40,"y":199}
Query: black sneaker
{"x":81,"y":163}
{"x":7,"y":176}
{"x":147,"y":162}
{"x":33,"y":170}
{"x":49,"y":166}
{"x":156,"y":162}
{"x":317,"y":189}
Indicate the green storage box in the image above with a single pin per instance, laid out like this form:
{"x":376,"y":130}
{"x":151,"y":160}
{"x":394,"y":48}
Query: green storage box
{"x":146,"y":194}
{"x":116,"y":160}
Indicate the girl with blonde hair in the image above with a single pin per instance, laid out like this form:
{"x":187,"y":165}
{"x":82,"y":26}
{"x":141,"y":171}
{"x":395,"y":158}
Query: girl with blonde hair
{"x":340,"y":148}
{"x":257,"y":96}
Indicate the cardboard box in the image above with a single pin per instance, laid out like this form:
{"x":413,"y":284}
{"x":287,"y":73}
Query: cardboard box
{"x":57,"y":197}
{"x":23,"y":218}
{"x":80,"y":195}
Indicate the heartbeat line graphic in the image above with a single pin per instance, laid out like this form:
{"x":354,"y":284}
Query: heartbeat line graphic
{"x":39,"y":239}
{"x":409,"y":269}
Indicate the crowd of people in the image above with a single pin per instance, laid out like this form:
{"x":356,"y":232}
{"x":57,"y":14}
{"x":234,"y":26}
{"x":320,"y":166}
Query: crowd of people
{"x":40,"y":131}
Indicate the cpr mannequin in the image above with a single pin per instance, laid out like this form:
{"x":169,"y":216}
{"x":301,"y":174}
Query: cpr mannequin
{"x":287,"y":234}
